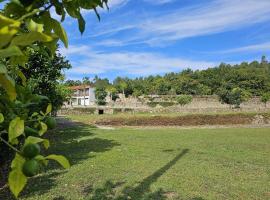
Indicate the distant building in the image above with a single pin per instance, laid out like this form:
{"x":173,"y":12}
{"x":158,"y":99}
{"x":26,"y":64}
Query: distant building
{"x":83,"y":95}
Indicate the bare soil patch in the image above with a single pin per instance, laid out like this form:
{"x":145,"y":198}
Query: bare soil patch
{"x":189,"y":120}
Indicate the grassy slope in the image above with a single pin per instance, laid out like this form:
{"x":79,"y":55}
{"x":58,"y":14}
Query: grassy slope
{"x":158,"y":164}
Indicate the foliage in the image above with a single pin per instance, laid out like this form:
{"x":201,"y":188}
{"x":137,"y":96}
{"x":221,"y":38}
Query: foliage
{"x":24,"y":26}
{"x":265,"y":97}
{"x":44,"y":73}
{"x":252,"y":77}
{"x":100,"y":93}
{"x":184,"y":99}
{"x":235,"y":97}
{"x":112,"y":91}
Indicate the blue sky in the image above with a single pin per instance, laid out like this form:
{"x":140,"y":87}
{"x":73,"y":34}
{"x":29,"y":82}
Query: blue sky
{"x":142,"y":37}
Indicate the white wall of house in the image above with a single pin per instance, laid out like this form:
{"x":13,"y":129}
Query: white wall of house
{"x":85,"y":97}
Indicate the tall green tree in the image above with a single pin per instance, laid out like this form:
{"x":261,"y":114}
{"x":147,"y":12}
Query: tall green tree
{"x":44,"y":74}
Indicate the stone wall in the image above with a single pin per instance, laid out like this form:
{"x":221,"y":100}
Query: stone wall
{"x":199,"y":104}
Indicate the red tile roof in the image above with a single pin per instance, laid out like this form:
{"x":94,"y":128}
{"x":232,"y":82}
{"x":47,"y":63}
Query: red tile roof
{"x":77,"y":87}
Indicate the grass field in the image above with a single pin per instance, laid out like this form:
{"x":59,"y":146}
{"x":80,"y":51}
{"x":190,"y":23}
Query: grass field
{"x":164,"y":163}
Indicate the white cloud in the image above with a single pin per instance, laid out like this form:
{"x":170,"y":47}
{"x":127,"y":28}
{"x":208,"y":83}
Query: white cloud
{"x":204,"y":19}
{"x":129,"y":63}
{"x":158,"y":2}
{"x":114,"y":3}
{"x":263,"y":47}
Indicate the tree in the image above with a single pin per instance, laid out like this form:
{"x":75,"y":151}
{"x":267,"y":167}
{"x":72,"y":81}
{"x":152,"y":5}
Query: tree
{"x":120,"y":84}
{"x":265,"y":98}
{"x":235,"y":97}
{"x":264,"y":60}
{"x":112,"y":91}
{"x":86,"y":81}
{"x":101,"y":94}
{"x":26,"y":25}
{"x":72,"y":82}
{"x":44,"y":73}
{"x":184,"y":99}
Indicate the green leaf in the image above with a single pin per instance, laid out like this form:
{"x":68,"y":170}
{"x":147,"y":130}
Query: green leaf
{"x":71,"y":8}
{"x":43,"y":128}
{"x":17,"y":181}
{"x":21,"y":75}
{"x":1,"y":118}
{"x":29,"y":38}
{"x":5,"y":21}
{"x":8,"y":28}
{"x":52,"y":45}
{"x":60,"y":159}
{"x":6,"y":35}
{"x":10,"y":51}
{"x":35,"y":140}
{"x":8,"y":84}
{"x":42,"y":159}
{"x":98,"y":16}
{"x":33,"y":26}
{"x":17,"y":162}
{"x":16,"y":128}
{"x":60,"y":31}
{"x":46,"y":143}
{"x":48,"y":109}
{"x":81,"y":23}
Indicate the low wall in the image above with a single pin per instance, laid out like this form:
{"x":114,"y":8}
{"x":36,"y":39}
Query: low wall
{"x":199,"y":104}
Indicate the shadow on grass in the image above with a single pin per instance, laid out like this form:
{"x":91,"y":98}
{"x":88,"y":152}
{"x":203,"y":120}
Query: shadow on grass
{"x":141,"y":191}
{"x":75,"y":141}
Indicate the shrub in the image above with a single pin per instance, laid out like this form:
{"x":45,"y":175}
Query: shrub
{"x":184,"y":99}
{"x":101,"y":96}
{"x":265,"y":98}
{"x":235,"y":97}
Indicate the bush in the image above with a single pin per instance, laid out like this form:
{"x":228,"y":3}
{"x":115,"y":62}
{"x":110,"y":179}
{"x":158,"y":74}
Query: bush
{"x":235,"y":97}
{"x":100,"y":96}
{"x":265,"y":98}
{"x":184,"y":99}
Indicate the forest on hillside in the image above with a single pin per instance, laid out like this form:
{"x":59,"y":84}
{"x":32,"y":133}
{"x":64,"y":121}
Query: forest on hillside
{"x":251,"y":78}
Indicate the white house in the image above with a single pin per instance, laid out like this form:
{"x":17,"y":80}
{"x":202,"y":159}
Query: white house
{"x":83,"y":95}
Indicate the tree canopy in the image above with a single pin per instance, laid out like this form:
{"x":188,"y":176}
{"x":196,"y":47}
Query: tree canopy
{"x":253,"y":78}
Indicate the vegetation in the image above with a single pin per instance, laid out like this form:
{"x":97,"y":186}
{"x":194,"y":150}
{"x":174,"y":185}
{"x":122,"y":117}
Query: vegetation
{"x":265,"y":98}
{"x":192,"y":164}
{"x":101,"y":94}
{"x":26,"y":26}
{"x":232,"y":83}
{"x":184,"y":99}
{"x":44,"y":73}
{"x":235,"y":97}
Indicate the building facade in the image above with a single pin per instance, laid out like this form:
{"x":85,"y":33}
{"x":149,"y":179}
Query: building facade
{"x":83,"y":95}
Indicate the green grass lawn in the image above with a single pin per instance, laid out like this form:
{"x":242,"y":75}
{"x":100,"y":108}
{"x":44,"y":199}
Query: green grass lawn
{"x":126,"y":163}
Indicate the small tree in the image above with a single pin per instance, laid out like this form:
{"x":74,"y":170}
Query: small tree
{"x":101,"y":94}
{"x":112,"y":92}
{"x":184,"y":99}
{"x":265,"y":98}
{"x":235,"y":97}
